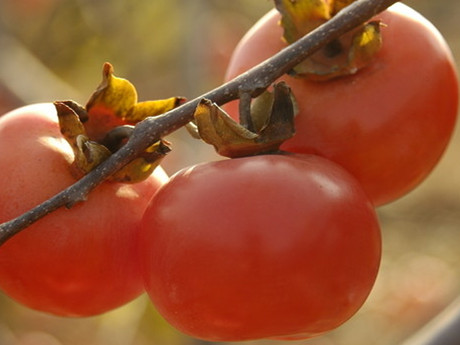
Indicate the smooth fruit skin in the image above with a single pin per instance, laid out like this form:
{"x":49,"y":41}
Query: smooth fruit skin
{"x":388,"y":124}
{"x":74,"y":262}
{"x":259,"y":247}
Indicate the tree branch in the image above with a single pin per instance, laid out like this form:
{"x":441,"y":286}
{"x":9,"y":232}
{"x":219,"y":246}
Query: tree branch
{"x":152,"y":129}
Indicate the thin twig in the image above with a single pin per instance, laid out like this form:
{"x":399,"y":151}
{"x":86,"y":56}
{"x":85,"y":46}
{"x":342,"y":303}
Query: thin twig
{"x":152,"y":129}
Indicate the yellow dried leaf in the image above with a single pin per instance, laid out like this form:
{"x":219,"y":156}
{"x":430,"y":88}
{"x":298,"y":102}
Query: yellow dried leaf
{"x":141,"y":168}
{"x":114,"y":103}
{"x":142,"y":110}
{"x":114,"y":95}
{"x":69,"y":123}
{"x":87,"y":154}
{"x":302,"y":16}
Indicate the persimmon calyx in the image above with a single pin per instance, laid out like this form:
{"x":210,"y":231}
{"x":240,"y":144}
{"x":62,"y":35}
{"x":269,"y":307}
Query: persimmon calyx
{"x":343,"y":56}
{"x":88,"y":154}
{"x":273,"y":119}
{"x":105,"y":124}
{"x":118,"y":97}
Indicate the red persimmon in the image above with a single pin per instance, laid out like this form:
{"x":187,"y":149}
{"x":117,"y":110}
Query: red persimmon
{"x":390,"y":122}
{"x":260,"y":247}
{"x":74,"y":262}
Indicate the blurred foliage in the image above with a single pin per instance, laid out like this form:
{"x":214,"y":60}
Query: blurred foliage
{"x":163,"y":47}
{"x":54,"y":49}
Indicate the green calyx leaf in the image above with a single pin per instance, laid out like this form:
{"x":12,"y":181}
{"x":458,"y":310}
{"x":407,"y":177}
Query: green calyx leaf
{"x":273,"y":116}
{"x":345,"y":55}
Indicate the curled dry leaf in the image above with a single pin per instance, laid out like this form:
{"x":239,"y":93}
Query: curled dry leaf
{"x":115,"y":103}
{"x":88,"y":154}
{"x":274,"y":125}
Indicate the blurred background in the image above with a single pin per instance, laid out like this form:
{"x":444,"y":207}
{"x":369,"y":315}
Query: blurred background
{"x":54,"y":49}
